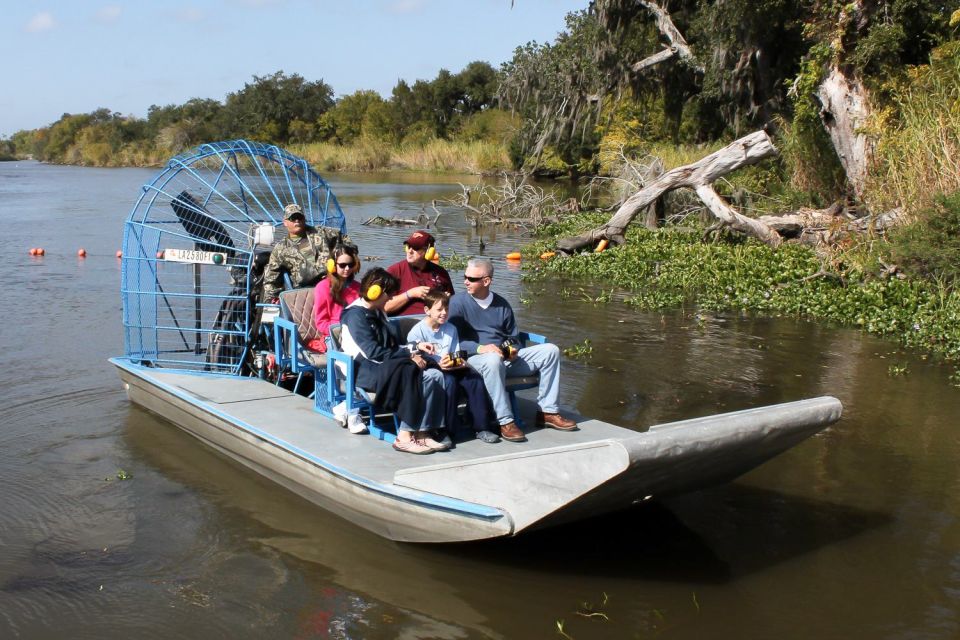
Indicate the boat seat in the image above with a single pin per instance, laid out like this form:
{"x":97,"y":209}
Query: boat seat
{"x":340,"y":386}
{"x":293,"y":330}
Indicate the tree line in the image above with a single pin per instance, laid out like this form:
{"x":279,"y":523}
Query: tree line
{"x":278,"y":108}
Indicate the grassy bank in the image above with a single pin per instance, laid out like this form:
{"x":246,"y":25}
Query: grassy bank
{"x":676,"y":269}
{"x":435,"y":156}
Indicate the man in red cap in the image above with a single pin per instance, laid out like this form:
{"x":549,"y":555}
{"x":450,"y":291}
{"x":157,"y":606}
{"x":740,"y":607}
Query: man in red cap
{"x":417,"y":276}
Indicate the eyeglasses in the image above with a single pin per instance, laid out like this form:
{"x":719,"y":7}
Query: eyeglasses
{"x":472,"y":279}
{"x":345,"y":265}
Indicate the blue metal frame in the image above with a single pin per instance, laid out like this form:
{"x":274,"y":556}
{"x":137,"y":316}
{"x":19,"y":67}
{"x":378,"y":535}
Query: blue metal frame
{"x":353,"y":396}
{"x":175,"y":313}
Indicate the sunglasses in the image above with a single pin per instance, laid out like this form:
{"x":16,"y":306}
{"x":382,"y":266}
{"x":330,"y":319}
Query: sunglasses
{"x":472,"y":279}
{"x":345,"y":265}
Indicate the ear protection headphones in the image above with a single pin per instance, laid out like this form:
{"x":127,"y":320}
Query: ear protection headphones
{"x":374,"y":292}
{"x":429,"y":255}
{"x":332,"y":264}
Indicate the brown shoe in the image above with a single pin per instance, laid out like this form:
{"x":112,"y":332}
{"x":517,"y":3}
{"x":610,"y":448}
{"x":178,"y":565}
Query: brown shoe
{"x":511,"y":432}
{"x":555,"y":421}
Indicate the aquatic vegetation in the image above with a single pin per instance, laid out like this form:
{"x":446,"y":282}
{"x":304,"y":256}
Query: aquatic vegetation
{"x":454,"y":260}
{"x":897,"y":370}
{"x":674,"y":268}
{"x":581,"y":350}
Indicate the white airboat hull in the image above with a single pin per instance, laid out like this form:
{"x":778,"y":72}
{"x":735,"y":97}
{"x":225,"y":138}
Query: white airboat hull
{"x":475,"y":491}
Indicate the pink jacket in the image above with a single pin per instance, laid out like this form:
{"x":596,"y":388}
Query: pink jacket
{"x":327,"y":312}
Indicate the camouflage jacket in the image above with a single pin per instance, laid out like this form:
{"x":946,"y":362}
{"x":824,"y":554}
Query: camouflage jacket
{"x":303,"y":259}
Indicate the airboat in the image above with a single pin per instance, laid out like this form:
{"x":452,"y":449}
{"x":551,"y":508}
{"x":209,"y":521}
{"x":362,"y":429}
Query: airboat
{"x":201,"y":352}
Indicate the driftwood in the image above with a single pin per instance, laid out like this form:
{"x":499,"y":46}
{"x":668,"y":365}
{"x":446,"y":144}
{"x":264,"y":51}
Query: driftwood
{"x":698,"y":176}
{"x":382,"y":221}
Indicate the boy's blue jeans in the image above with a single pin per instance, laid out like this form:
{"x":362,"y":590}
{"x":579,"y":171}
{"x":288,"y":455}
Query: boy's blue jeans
{"x":477,"y":400}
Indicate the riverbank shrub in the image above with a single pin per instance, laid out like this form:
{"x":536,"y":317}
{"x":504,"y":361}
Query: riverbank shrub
{"x":930,"y":247}
{"x":672,"y":268}
{"x":918,"y":153}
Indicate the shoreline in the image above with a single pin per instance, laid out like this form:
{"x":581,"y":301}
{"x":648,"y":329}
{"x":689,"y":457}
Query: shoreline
{"x":672,"y":269}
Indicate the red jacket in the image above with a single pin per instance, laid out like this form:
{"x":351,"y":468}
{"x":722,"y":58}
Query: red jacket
{"x":432,"y":275}
{"x":326,"y":311}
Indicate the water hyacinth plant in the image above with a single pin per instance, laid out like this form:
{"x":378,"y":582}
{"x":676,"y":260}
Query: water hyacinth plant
{"x":672,"y":268}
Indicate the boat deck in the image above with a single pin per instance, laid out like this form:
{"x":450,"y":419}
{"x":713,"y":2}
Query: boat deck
{"x":289,"y":420}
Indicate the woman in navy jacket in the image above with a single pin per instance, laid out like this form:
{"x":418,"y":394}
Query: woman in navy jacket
{"x":395,"y":371}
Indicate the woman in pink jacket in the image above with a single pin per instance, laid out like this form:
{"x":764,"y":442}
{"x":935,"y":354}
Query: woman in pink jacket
{"x":334,"y":292}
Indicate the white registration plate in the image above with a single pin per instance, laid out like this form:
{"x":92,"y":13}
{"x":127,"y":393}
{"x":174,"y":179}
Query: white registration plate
{"x":194,"y":257}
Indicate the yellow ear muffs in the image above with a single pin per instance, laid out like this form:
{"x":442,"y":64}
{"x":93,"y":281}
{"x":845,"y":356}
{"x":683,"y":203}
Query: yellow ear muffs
{"x":430,"y":254}
{"x":374,"y":292}
{"x":331,"y":265}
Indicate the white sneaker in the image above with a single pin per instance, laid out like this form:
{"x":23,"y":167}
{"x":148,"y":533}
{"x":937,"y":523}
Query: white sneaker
{"x":340,"y":413}
{"x":355,"y":424}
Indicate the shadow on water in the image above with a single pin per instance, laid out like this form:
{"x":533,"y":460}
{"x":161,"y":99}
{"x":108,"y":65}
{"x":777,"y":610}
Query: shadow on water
{"x":680,"y":540}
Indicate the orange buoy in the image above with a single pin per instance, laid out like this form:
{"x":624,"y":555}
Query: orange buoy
{"x":119,"y":254}
{"x":41,"y":251}
{"x":159,"y":255}
{"x":514,"y":256}
{"x":33,"y":251}
{"x":601,"y":246}
{"x":546,"y":255}
{"x":435,"y":258}
{"x":82,"y":253}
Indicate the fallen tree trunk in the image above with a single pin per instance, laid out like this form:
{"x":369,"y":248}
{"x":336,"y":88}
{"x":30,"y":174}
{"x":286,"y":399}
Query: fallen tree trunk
{"x":734,"y":220}
{"x":699,"y":176}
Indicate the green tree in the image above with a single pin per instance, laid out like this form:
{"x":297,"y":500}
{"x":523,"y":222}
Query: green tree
{"x":265,"y":108}
{"x":344,"y":123}
{"x":478,"y":87}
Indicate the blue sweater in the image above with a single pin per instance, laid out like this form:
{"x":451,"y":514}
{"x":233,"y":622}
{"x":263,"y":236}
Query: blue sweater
{"x":477,"y":325}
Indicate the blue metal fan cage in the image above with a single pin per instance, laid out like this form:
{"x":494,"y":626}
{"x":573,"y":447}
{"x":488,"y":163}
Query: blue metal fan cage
{"x":190,"y":246}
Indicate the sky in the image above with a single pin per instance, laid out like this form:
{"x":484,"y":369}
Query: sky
{"x":75,"y":56}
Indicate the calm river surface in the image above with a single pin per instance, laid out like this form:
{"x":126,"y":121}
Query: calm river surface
{"x":853,"y":534}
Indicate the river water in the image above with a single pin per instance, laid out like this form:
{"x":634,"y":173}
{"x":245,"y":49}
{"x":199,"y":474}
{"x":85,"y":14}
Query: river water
{"x":853,"y":534}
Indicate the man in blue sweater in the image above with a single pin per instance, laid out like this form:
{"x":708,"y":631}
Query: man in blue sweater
{"x":484,"y":321}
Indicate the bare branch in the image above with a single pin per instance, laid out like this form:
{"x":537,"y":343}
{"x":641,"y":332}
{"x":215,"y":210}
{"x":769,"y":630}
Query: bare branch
{"x":678,"y":44}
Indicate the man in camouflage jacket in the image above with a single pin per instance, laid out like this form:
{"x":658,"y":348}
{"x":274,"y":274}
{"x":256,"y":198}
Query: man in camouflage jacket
{"x":302,"y":254}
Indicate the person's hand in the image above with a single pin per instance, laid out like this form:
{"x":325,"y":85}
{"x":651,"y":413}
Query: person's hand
{"x":418,"y":292}
{"x":490,"y":348}
{"x":446,"y":362}
{"x":419,"y":361}
{"x":427,"y":347}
